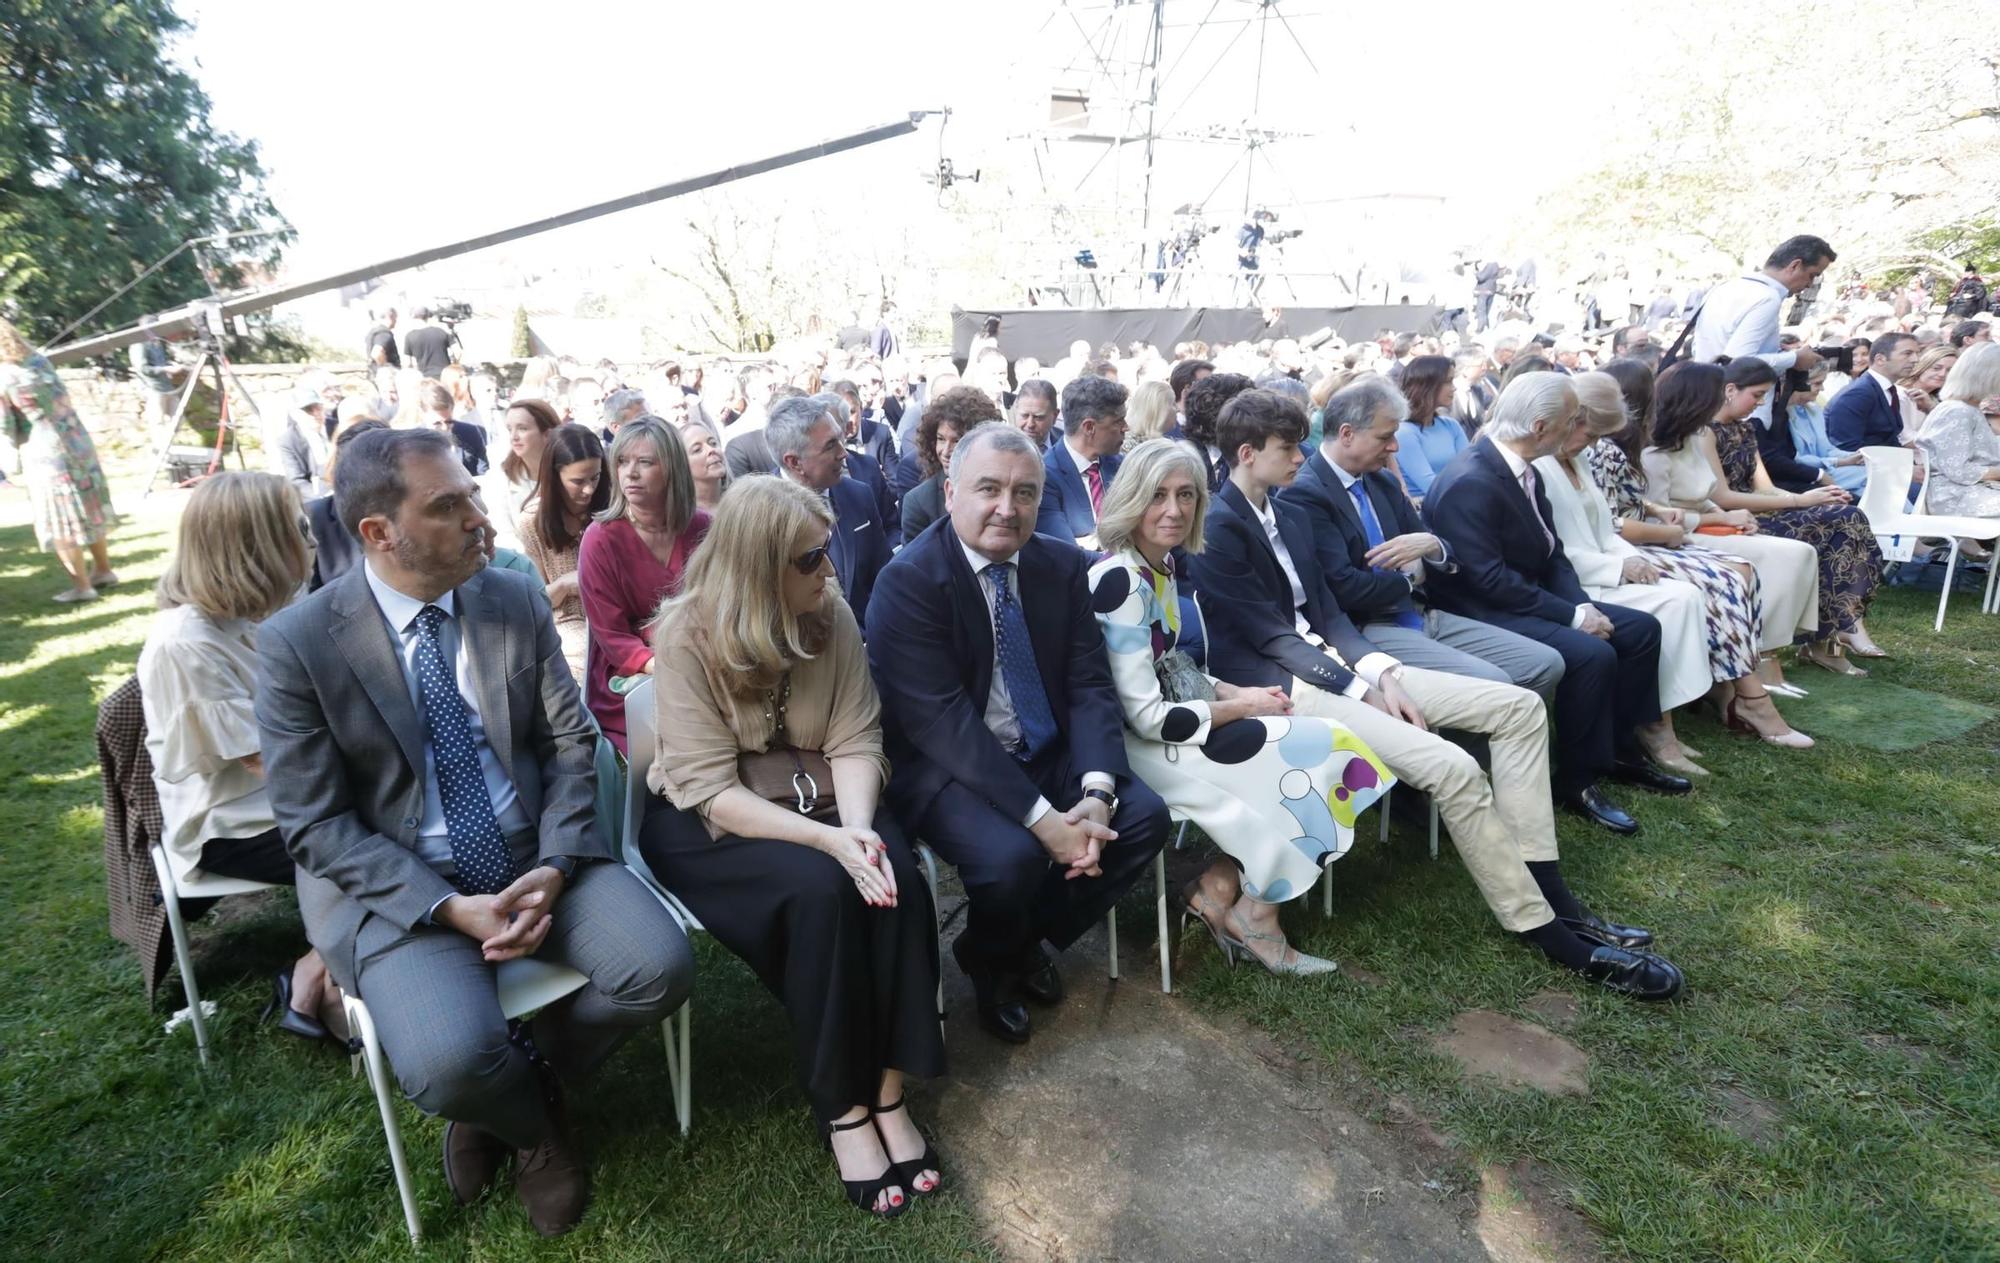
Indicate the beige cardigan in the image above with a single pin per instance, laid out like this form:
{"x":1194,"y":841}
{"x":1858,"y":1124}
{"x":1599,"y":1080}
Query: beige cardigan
{"x":833,"y":709}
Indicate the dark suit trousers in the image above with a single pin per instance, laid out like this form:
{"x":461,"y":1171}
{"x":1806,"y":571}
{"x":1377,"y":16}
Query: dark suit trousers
{"x":1608,"y":688}
{"x":859,"y":984}
{"x":435,"y":1005}
{"x":1016,"y":895}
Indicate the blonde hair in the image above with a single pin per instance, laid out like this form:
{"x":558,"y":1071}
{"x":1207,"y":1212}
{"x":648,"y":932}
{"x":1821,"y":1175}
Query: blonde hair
{"x":14,"y":349}
{"x":671,"y":454}
{"x":1140,"y":476}
{"x":455,"y":379}
{"x":1976,"y":375}
{"x":1602,"y":401}
{"x":240,"y":548}
{"x":409,"y":402}
{"x":1928,"y":361}
{"x":732,"y":608}
{"x":1149,"y":412}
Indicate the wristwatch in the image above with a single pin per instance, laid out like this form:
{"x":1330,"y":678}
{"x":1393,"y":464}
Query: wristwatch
{"x":1104,"y":796}
{"x":564,"y":864}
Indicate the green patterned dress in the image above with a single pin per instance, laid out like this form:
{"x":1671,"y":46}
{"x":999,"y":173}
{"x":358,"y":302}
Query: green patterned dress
{"x":59,"y":462}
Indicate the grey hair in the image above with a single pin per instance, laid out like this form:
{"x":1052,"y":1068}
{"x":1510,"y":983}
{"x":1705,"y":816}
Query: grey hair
{"x":791,"y":425}
{"x":1288,"y":386}
{"x":618,"y":400}
{"x":1141,"y":474}
{"x":1355,"y":404}
{"x":831,"y":400}
{"x":1039,"y":388}
{"x":996,"y":435}
{"x":1602,"y":400}
{"x":1528,"y":400}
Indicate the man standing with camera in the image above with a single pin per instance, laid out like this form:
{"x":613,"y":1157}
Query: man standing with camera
{"x":1740,"y":317}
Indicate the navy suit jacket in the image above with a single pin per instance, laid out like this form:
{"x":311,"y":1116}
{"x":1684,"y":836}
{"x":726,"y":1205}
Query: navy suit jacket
{"x":1065,"y":499}
{"x":930,"y":646}
{"x":862,"y":468}
{"x":922,"y":505}
{"x":905,"y":473}
{"x":878,"y":439}
{"x":860,"y":543}
{"x":1253,"y":637}
{"x":1340,"y":541}
{"x":471,"y":442}
{"x":1781,"y":453}
{"x":1508,"y":568}
{"x":1860,"y":416}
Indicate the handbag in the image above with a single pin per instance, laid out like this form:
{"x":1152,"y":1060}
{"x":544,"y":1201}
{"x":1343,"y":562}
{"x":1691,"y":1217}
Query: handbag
{"x":1181,"y":680}
{"x":795,"y":779}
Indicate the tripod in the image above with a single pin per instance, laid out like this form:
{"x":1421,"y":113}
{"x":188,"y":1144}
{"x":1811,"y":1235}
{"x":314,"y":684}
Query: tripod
{"x":211,"y":356}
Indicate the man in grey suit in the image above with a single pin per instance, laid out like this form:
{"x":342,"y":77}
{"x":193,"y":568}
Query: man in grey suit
{"x":430,"y":765}
{"x":289,"y":447}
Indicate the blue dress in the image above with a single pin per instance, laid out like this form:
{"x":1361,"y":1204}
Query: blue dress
{"x":1424,"y":450}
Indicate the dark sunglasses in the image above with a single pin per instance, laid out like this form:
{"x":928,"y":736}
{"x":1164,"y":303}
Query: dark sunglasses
{"x":810,"y":561}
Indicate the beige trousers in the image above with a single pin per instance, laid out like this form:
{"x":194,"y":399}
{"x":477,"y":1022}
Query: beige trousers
{"x":1496,"y":826}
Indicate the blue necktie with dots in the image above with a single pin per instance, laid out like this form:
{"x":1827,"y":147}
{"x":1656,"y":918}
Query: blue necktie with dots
{"x":485,"y":866}
{"x":1017,"y":665}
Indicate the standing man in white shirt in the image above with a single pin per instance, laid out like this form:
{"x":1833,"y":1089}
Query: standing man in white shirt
{"x":1740,"y":317}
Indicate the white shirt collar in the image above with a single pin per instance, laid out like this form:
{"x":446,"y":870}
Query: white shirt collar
{"x":979,"y":563}
{"x":399,"y":608}
{"x":1267,"y":513}
{"x":1081,"y":461}
{"x":1346,"y":479}
{"x":1882,"y":381}
{"x":1515,"y":464}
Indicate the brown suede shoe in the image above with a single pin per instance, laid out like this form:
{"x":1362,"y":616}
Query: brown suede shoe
{"x":550,"y":1177}
{"x":472,"y":1159}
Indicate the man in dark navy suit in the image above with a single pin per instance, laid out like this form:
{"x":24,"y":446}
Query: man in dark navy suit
{"x":1275,"y":623}
{"x":1378,"y":558}
{"x":1868,"y":411}
{"x":1004,"y":728}
{"x":1034,"y":413}
{"x":1079,"y":467}
{"x":863,"y":465}
{"x":1489,"y":507}
{"x":805,"y":439}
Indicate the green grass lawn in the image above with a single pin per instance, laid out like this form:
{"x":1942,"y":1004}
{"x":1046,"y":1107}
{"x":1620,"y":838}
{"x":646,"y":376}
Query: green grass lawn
{"x":1837,"y":912}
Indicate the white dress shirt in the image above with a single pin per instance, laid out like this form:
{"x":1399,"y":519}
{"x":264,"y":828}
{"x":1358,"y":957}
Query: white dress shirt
{"x":433,"y":838}
{"x":1368,"y":671}
{"x":1519,"y":468}
{"x":1740,"y":317}
{"x":1001,"y":719}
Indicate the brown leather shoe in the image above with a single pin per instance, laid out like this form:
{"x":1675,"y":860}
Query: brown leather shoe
{"x":550,"y":1177}
{"x":472,"y":1159}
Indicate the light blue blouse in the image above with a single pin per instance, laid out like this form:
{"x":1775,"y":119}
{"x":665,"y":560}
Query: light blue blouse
{"x":1424,"y":451}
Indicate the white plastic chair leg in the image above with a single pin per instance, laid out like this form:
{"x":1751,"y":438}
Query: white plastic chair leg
{"x":359,"y":1021}
{"x":928,"y":859}
{"x":674,"y":1032}
{"x":1326,"y":891}
{"x":1950,"y":566}
{"x":1382,"y":817}
{"x":1160,"y":905}
{"x":1434,"y":827}
{"x":183,"y":952}
{"x":1111,"y":933}
{"x":1992,"y":573}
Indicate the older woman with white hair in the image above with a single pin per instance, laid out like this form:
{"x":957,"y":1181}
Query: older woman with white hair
{"x":1611,"y":569}
{"x":1278,"y":793}
{"x":1961,"y":436}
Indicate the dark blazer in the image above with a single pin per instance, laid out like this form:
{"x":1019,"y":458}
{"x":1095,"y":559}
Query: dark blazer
{"x":878,"y":439}
{"x":335,"y":552}
{"x":1216,"y":471}
{"x":1781,"y":452}
{"x":749,"y":454}
{"x":922,"y":505}
{"x":1860,"y":416}
{"x":344,"y":746}
{"x":1340,"y":541}
{"x":471,"y":442}
{"x":1065,"y":499}
{"x":1253,"y":637}
{"x":860,"y":543}
{"x":862,"y":468}
{"x":930,"y":646}
{"x":906,"y":473}
{"x":1507,"y":567}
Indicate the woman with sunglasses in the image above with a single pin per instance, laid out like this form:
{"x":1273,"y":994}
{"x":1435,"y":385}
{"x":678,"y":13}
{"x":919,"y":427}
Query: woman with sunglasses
{"x":760,"y":658}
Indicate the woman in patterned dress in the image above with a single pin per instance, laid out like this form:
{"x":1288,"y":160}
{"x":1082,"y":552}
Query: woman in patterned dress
{"x":573,"y":491}
{"x":72,"y":501}
{"x":1850,"y":564}
{"x":1277,"y":793}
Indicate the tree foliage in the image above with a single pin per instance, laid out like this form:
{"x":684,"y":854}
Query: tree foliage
{"x":108,"y":162}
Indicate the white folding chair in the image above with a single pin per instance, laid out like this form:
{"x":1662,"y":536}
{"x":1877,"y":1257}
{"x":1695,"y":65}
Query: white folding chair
{"x":1897,"y":529}
{"x":172,"y":891}
{"x":525,"y":984}
{"x":640,"y":742}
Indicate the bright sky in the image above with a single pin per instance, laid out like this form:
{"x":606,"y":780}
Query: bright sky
{"x":386,"y":128}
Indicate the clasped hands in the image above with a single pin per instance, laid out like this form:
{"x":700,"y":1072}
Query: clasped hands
{"x":512,"y":923}
{"x":1075,"y":838}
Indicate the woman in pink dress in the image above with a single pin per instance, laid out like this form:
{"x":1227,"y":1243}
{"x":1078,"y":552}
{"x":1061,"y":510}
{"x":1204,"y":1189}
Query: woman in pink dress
{"x":632,"y":558}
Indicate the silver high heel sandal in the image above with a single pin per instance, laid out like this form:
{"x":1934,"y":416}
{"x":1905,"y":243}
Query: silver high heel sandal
{"x":1228,"y":946}
{"x":1291,"y":961}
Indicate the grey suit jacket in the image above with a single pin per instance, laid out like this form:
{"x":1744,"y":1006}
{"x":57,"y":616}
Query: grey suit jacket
{"x":343,"y":746}
{"x":291,"y":457}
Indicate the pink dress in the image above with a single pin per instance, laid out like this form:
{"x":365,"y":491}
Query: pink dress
{"x":622,"y":584}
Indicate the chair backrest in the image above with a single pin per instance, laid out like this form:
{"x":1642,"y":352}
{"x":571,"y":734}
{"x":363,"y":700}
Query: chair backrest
{"x":1883,"y":498}
{"x":639,"y":745}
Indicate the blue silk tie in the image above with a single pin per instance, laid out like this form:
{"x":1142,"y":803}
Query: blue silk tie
{"x":1372,"y":526}
{"x":1017,"y":665}
{"x":478,"y":848}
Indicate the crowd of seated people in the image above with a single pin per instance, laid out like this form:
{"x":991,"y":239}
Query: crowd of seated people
{"x":1247,"y":586}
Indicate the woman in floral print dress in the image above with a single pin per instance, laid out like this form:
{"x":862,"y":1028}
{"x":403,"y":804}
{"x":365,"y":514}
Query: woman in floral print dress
{"x":59,"y":462}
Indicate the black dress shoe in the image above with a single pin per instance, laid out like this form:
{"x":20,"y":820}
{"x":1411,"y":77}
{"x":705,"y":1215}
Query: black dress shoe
{"x":1641,"y":975}
{"x":290,"y":1020}
{"x":1039,"y":981}
{"x":995,"y":999}
{"x":1590,"y":803}
{"x":1646,"y":776}
{"x":1592,"y":928}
